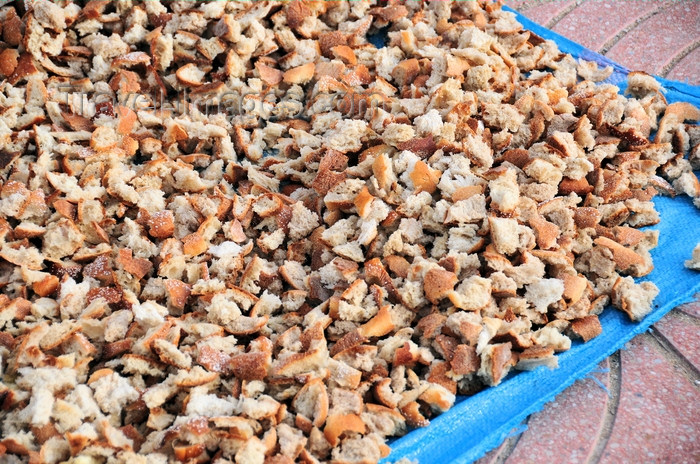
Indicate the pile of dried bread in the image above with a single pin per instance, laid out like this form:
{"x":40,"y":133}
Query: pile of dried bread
{"x":301,"y":280}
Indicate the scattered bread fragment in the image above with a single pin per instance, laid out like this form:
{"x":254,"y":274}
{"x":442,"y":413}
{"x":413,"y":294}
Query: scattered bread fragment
{"x":694,"y":262}
{"x":323,"y":242}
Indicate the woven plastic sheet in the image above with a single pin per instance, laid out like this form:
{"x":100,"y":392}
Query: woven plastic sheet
{"x":481,"y":422}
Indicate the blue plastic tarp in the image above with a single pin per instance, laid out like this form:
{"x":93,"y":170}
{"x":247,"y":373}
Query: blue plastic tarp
{"x":481,"y":422}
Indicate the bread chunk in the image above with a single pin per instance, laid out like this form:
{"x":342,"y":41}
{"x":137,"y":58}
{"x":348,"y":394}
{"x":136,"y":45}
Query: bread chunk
{"x":694,"y":262}
{"x":246,"y":234}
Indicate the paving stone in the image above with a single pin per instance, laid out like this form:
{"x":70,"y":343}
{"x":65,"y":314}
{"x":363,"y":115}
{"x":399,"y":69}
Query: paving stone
{"x":655,"y":42}
{"x":520,"y":5}
{"x":492,"y":456}
{"x":683,"y":332}
{"x":688,"y":69}
{"x":656,"y":419}
{"x":692,"y":308}
{"x":567,"y":429}
{"x":544,"y":12}
{"x":593,"y":23}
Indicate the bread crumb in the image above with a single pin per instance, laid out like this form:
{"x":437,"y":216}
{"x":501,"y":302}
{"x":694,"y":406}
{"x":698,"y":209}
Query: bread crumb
{"x":694,"y":262}
{"x":326,"y":243}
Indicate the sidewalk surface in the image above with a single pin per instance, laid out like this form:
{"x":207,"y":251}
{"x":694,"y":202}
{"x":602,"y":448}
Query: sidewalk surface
{"x":642,"y":404}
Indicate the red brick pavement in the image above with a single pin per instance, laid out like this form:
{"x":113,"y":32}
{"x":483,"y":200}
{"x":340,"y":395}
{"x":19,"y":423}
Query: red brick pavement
{"x":686,"y":70}
{"x":658,"y":36}
{"x":567,"y":430}
{"x":658,"y":410}
{"x":659,"y":40}
{"x":681,"y":332}
{"x":649,"y":413}
{"x":594,"y":24}
{"x":544,"y":12}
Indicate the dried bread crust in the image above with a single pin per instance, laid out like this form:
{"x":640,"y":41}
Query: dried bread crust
{"x":378,"y":231}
